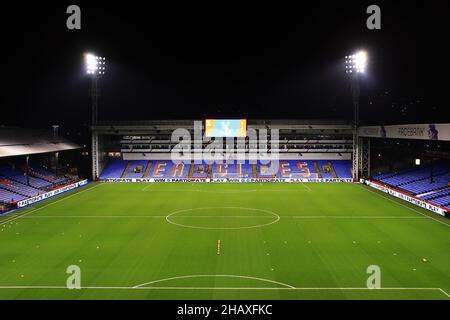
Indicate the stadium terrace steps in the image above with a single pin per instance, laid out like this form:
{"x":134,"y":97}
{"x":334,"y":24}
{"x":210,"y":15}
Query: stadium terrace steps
{"x":443,"y":201}
{"x":9,"y":196}
{"x":135,"y":168}
{"x":17,"y":185}
{"x":411,"y":175}
{"x":231,"y":170}
{"x":114,"y":168}
{"x":210,"y":168}
{"x":425,"y":185}
{"x":20,"y":188}
{"x":333,"y":172}
{"x":343,"y":168}
{"x":434,"y":194}
{"x":21,"y":177}
{"x":147,"y":169}
{"x":167,"y":169}
{"x":127,"y":167}
{"x":316,"y":167}
{"x":45,"y":174}
{"x":191,"y":170}
{"x":324,"y":169}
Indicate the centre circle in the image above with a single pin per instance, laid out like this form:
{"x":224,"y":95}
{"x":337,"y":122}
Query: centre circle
{"x":222,"y":218}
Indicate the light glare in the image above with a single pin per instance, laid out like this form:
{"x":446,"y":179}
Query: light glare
{"x":94,"y":64}
{"x":357,"y":61}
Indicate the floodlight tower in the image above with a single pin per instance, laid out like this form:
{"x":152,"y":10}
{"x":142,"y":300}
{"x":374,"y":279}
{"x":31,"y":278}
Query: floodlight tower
{"x":95,"y":68}
{"x":355,"y":65}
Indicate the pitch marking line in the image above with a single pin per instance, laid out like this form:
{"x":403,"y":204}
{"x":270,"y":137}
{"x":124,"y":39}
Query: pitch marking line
{"x":403,"y":205}
{"x":225,"y":288}
{"x":275,"y":216}
{"x":49,"y":204}
{"x":147,"y":187}
{"x":244,"y":217}
{"x":227,"y":191}
{"x":306,"y":186}
{"x":216,"y":276}
{"x":145,"y":217}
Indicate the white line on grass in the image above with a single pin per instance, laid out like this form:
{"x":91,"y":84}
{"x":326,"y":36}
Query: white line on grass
{"x":224,"y":288}
{"x":306,"y":186}
{"x":174,"y":214}
{"x":143,"y":217}
{"x":34,"y":210}
{"x":228,"y":191}
{"x":210,"y":216}
{"x":146,"y":188}
{"x":215,"y":276}
{"x":405,"y":206}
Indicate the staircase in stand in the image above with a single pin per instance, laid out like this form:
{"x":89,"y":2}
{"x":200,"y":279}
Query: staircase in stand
{"x":333,"y":172}
{"x":191,"y":170}
{"x":254,"y":171}
{"x":210,"y":167}
{"x":147,"y":169}
{"x":124,"y":173}
{"x":316,"y":167}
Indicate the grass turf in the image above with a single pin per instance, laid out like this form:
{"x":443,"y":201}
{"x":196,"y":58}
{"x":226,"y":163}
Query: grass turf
{"x":278,"y":241}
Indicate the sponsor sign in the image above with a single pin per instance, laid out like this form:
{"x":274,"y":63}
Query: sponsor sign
{"x":224,"y":180}
{"x":50,"y":194}
{"x":398,"y":194}
{"x":409,"y":131}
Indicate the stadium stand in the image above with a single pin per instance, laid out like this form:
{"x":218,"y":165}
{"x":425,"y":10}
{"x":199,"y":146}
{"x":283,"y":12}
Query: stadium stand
{"x":135,"y":169}
{"x":343,"y":168}
{"x":46,"y":175}
{"x":167,"y":169}
{"x":232,"y":170}
{"x":34,"y":147}
{"x":199,"y":170}
{"x":425,"y":185}
{"x":9,"y":196}
{"x":325,"y":169}
{"x":16,"y":186}
{"x":116,"y":168}
{"x":296,"y":169}
{"x":412,"y":175}
{"x":430,"y":182}
{"x":437,"y":194}
{"x":21,"y":177}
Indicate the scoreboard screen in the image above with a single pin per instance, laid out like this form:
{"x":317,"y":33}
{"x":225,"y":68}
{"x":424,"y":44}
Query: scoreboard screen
{"x":223,"y":128}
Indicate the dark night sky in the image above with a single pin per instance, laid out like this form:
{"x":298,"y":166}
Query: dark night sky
{"x":224,"y":60}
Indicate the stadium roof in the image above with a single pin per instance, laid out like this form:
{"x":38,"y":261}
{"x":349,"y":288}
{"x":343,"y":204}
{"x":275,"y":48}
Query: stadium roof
{"x":20,"y":142}
{"x":249,"y":121}
{"x":120,"y":127}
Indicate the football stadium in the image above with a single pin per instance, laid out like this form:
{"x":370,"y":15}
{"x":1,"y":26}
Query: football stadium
{"x":118,"y":202}
{"x":301,"y":227}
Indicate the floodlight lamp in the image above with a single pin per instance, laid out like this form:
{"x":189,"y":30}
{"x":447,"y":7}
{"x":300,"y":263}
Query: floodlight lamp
{"x":360,"y":61}
{"x":356,"y":62}
{"x":94,"y":64}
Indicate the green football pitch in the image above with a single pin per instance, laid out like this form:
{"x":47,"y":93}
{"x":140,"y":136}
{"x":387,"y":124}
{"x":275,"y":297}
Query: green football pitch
{"x":224,"y":241}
